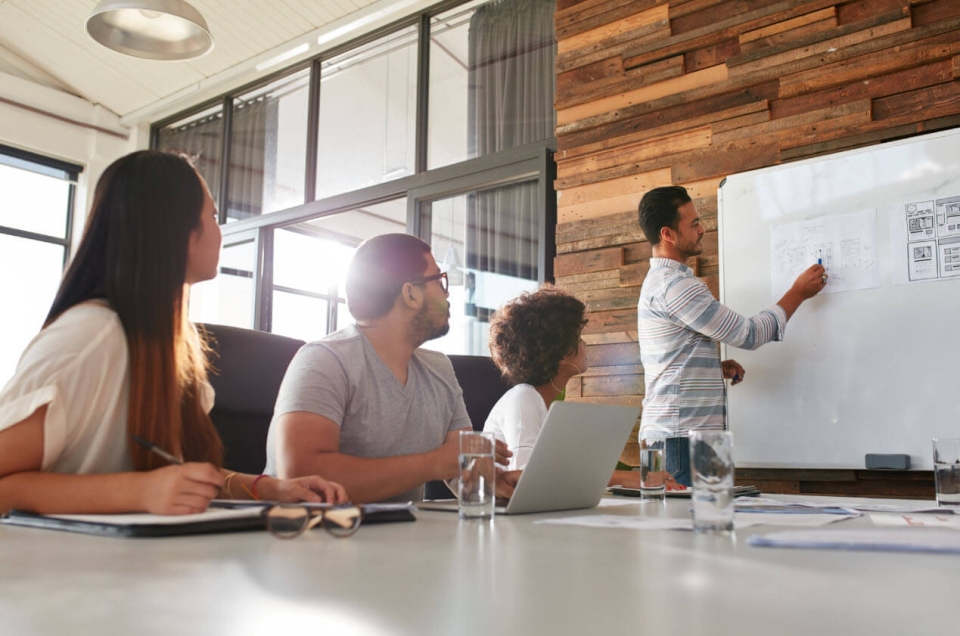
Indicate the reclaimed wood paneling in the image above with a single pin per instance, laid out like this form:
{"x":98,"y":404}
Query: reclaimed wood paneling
{"x":654,"y":92}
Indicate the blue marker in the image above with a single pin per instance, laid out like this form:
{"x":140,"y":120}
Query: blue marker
{"x":819,"y":257}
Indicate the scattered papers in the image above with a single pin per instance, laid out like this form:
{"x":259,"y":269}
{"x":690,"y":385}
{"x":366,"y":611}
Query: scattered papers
{"x":950,"y":521}
{"x":896,"y":539}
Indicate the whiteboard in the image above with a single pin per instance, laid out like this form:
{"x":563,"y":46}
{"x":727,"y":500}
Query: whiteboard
{"x":866,"y":371}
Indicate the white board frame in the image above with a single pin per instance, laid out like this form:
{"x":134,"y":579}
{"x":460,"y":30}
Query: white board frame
{"x":872,"y":371}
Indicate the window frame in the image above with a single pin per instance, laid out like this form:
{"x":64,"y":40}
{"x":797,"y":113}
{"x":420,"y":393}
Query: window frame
{"x":529,"y":162}
{"x":71,"y":175}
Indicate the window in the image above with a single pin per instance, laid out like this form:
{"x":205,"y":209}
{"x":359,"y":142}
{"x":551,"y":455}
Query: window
{"x":36,"y":217}
{"x":491,"y":78}
{"x":228,"y":299}
{"x":310,"y":267}
{"x":268,"y":148}
{"x":488,"y":243}
{"x":440,"y":125}
{"x":368,"y":108}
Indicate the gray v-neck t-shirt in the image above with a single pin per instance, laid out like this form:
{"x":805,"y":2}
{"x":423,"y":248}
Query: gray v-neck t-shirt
{"x":342,"y":378}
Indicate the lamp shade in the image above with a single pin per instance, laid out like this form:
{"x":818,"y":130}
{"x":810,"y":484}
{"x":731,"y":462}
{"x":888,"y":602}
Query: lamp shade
{"x":150,"y":29}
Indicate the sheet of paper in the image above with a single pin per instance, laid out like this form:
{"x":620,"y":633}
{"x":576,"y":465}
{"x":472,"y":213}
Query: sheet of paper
{"x":908,"y":508}
{"x":776,"y":506}
{"x":846,"y":244}
{"x":607,"y":503}
{"x":789,"y":519}
{"x":142,"y":519}
{"x":923,"y":520}
{"x":894,"y":539}
{"x":925,"y":238}
{"x":849,"y":506}
{"x":740,"y":520}
{"x":621,"y":521}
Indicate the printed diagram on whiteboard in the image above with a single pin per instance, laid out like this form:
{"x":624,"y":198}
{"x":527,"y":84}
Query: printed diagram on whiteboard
{"x":933,"y":238}
{"x":845,"y":244}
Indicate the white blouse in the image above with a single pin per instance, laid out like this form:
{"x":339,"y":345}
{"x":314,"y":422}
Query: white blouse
{"x":517,"y":418}
{"x":79,"y":367}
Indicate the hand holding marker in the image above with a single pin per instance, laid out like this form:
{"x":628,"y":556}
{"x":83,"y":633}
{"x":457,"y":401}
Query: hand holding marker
{"x":820,"y":262}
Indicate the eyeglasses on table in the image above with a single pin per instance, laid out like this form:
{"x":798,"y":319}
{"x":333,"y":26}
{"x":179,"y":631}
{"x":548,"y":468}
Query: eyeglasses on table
{"x":288,"y":521}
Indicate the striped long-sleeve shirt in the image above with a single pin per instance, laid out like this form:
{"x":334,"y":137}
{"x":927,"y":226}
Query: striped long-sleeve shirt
{"x":680,"y":323}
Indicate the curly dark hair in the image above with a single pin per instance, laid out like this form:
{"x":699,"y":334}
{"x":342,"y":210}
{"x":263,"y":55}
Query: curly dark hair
{"x":531,"y":334}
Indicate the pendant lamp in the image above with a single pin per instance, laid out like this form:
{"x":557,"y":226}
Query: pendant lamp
{"x":150,"y":29}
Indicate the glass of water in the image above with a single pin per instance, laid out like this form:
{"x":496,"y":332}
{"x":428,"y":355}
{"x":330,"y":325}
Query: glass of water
{"x":946,"y":470}
{"x":711,"y":464}
{"x":653,"y":475}
{"x":477,"y":488}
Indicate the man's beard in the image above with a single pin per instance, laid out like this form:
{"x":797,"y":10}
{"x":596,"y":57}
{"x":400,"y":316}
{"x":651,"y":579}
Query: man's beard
{"x":421,"y":330}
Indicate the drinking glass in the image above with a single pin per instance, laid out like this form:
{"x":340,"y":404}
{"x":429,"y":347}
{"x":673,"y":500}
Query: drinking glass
{"x":946,"y":470}
{"x":477,"y":488}
{"x":653,"y":475}
{"x":711,"y":463}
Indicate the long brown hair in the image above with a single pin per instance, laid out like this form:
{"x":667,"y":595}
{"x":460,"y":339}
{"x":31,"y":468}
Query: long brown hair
{"x":134,"y":256}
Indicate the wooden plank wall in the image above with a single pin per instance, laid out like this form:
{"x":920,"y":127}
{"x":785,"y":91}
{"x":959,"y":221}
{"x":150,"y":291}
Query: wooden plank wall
{"x":659,"y":92}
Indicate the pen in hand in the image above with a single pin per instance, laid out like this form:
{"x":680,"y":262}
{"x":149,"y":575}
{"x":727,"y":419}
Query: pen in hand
{"x":153,"y":448}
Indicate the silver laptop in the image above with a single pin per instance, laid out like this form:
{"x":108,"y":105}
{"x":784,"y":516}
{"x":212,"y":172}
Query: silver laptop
{"x":571,"y":462}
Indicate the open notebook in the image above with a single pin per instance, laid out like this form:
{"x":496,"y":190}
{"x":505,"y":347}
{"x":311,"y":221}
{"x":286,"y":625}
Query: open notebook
{"x":571,"y":462}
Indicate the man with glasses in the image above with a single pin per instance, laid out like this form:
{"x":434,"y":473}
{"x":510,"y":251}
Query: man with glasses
{"x":365,"y":405}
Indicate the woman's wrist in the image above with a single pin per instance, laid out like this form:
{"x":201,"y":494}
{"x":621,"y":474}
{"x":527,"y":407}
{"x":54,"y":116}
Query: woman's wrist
{"x":264,"y":487}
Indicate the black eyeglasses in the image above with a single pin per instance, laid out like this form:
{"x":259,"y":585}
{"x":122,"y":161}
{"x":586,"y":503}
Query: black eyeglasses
{"x":442,"y":277}
{"x":288,"y":521}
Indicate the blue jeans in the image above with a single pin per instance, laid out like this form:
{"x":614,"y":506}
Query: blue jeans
{"x":677,"y":459}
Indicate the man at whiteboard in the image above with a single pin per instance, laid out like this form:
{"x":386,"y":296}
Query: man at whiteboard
{"x":680,"y":323}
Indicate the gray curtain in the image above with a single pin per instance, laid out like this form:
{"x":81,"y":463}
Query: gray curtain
{"x":201,"y":141}
{"x":253,"y":152}
{"x":512,"y":47}
{"x":252,"y":149}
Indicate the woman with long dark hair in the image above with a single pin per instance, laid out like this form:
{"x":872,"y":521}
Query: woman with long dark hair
{"x":118,"y":357}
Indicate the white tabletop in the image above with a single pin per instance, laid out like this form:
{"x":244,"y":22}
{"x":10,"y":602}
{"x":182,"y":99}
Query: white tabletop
{"x":443,"y":576}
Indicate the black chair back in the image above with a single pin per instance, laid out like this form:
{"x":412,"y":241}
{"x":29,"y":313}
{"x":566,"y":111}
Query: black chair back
{"x":248,"y":367}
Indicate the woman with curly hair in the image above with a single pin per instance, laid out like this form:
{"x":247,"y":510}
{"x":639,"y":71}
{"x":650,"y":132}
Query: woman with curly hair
{"x":535,"y":342}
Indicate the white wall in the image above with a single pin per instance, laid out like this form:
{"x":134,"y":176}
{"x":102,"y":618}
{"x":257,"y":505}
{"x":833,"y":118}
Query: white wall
{"x":59,"y":125}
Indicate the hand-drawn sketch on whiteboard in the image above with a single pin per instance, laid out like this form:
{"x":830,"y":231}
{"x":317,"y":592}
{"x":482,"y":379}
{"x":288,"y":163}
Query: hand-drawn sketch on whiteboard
{"x":846,"y":246}
{"x":928,"y":233}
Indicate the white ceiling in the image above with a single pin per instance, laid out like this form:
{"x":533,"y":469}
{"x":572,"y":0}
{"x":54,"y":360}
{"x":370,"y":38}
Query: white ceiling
{"x":44,"y":41}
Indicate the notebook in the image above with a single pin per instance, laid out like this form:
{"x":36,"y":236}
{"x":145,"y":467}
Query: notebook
{"x":571,"y":462}
{"x":222,"y":516}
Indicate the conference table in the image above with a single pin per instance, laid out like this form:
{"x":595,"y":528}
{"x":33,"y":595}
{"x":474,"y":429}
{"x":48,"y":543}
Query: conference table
{"x":440,"y":575}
